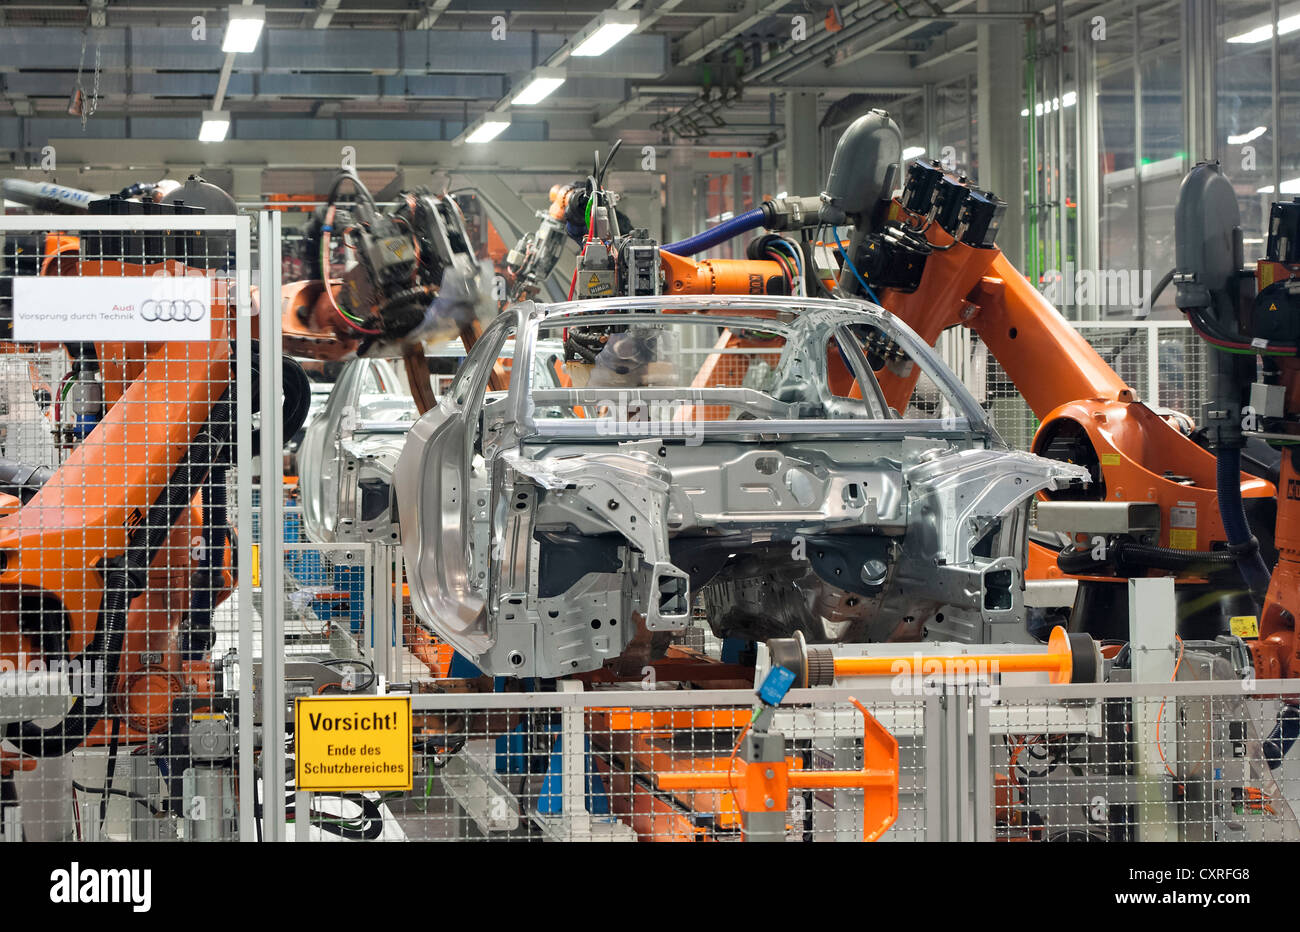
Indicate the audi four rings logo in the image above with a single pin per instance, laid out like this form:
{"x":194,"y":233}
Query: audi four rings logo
{"x":172,"y":309}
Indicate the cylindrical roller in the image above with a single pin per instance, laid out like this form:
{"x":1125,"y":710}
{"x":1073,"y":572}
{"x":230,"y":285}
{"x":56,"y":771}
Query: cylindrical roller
{"x":1069,"y":658}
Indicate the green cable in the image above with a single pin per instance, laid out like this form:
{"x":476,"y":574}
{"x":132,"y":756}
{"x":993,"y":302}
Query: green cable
{"x":1246,"y":352}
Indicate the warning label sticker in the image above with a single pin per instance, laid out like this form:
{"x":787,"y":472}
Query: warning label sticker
{"x":352,"y":743}
{"x":1182,"y":515}
{"x":1244,"y":626}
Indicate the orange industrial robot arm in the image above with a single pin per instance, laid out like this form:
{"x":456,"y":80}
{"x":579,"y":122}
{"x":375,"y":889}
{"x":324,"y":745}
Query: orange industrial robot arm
{"x":1135,"y":454}
{"x":98,"y":562}
{"x":414,"y":277}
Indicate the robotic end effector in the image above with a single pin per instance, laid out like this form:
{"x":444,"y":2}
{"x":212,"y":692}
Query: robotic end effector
{"x":864,"y":172}
{"x":414,"y":278}
{"x":1213,"y":290}
{"x":1252,"y":322}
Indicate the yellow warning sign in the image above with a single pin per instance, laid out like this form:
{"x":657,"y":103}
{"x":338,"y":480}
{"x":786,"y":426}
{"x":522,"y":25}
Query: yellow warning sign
{"x":257,"y":565}
{"x":1110,"y":459}
{"x":352,"y":743}
{"x":1182,"y":538}
{"x":1244,"y":626}
{"x":1272,"y":307}
{"x":593,"y":283}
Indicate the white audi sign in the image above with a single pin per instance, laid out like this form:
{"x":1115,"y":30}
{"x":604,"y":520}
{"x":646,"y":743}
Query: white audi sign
{"x":158,"y":308}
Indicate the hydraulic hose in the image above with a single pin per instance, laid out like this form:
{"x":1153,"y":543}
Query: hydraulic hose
{"x":749,"y":220}
{"x":1079,"y":562}
{"x":22,"y":480}
{"x":124,"y":578}
{"x":1283,"y":736}
{"x":1235,"y":525}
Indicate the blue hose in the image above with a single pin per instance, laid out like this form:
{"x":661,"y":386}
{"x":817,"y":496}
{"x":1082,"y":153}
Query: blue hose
{"x":1284,"y":735}
{"x":1235,"y":525}
{"x":848,"y":263}
{"x":749,"y":220}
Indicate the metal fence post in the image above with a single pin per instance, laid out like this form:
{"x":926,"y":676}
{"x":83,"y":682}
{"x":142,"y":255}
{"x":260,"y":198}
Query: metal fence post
{"x":1153,"y":365}
{"x":302,"y":816}
{"x":1154,"y":651}
{"x":271,"y":481}
{"x":980,"y":770}
{"x":244,"y":533}
{"x":959,"y":703}
{"x":935,"y":762}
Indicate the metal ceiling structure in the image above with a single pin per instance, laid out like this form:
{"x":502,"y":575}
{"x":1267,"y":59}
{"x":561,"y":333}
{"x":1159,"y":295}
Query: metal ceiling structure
{"x":709,"y":73}
{"x":715,"y":86}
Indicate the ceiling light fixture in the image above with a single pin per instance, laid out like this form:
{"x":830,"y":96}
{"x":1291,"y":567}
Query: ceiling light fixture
{"x":537,"y":86}
{"x":604,"y":32}
{"x":243,"y":28}
{"x":486,"y":128}
{"x":215,"y":126}
{"x":1265,"y":32}
{"x":1247,"y":137}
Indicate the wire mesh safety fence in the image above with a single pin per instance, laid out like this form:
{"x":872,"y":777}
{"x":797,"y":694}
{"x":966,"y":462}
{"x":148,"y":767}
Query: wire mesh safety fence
{"x":1185,"y":762}
{"x":1165,"y":364}
{"x":600,"y":766}
{"x":1192,"y":761}
{"x":119,"y":346}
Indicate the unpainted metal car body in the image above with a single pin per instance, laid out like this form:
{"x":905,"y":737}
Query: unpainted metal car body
{"x":348,"y":452}
{"x":738,"y":449}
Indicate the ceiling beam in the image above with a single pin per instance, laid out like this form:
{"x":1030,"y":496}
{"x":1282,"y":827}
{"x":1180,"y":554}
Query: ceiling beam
{"x":929,"y":59}
{"x":430,"y":12}
{"x":227,"y":66}
{"x":721,"y":29}
{"x":323,"y":14}
{"x":187,"y":154}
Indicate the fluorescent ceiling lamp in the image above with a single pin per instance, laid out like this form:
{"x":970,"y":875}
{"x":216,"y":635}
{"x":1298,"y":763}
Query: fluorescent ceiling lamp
{"x":1265,"y":32}
{"x":604,"y":32}
{"x":488,"y":127}
{"x":1290,"y":186}
{"x":538,"y":86}
{"x":243,"y":28}
{"x":1247,"y":137}
{"x":912,"y":152}
{"x":215,"y":126}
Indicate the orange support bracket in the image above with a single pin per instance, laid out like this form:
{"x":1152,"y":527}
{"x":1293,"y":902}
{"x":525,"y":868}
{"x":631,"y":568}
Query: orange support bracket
{"x":764,"y":786}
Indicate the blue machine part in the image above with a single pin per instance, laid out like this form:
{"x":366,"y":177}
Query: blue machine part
{"x":551,"y":800}
{"x":512,"y":758}
{"x":1285,"y":734}
{"x":84,"y":424}
{"x":776,"y":685}
{"x":462,"y":668}
{"x":292,"y":529}
{"x":352,"y":580}
{"x":512,"y":751}
{"x":735,"y":649}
